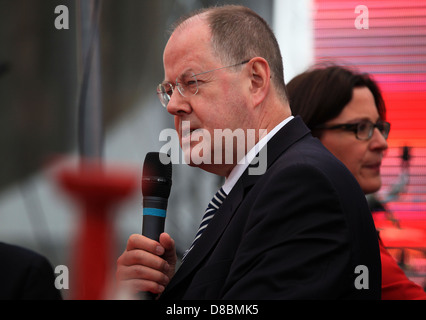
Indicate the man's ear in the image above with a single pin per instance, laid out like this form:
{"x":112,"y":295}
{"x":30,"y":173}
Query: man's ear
{"x":260,"y":79}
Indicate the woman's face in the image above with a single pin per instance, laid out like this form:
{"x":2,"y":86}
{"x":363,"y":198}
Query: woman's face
{"x":362,"y":157}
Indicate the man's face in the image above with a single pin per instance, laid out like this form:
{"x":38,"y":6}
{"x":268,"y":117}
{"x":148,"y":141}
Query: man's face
{"x":220,"y":102}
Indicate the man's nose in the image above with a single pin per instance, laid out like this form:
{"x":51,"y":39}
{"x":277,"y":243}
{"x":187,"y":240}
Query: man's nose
{"x":178,"y":105}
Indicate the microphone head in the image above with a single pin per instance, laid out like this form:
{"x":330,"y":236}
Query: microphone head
{"x":156,"y":175}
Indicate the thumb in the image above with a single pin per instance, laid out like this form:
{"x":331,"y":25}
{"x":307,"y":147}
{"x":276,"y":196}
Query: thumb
{"x":170,"y":252}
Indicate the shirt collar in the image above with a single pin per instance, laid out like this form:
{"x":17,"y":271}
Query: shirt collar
{"x":242,"y":165}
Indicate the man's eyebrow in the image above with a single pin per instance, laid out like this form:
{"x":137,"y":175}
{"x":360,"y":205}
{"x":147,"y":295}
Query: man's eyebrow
{"x":188,"y":73}
{"x":180,"y":76}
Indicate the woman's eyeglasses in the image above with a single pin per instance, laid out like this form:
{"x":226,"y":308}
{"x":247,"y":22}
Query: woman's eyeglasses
{"x":363,"y":129}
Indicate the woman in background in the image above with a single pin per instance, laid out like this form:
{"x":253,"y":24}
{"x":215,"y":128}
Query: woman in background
{"x":346,"y":111}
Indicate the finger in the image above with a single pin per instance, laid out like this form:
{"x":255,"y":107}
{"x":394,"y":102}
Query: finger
{"x":167,"y":242}
{"x":137,"y":285}
{"x":143,"y":258}
{"x":137,"y":241}
{"x":137,"y":278}
{"x":139,"y":272}
{"x":169,"y":245}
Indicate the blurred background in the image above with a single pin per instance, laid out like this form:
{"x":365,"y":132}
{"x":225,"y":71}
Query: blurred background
{"x":42,"y":91}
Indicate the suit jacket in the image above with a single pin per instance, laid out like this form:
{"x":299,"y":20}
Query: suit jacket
{"x":298,"y":231}
{"x":25,"y":275}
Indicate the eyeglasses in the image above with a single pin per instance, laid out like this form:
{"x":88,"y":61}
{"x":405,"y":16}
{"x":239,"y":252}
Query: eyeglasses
{"x":187,"y":85}
{"x":363,"y":129}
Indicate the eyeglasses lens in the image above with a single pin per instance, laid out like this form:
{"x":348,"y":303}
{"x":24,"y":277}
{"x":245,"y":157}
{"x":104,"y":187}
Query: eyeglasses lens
{"x":365,"y":129}
{"x":188,"y":85}
{"x":164,"y":92}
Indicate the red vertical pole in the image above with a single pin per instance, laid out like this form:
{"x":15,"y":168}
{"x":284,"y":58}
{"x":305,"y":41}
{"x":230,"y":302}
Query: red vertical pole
{"x":97,"y":192}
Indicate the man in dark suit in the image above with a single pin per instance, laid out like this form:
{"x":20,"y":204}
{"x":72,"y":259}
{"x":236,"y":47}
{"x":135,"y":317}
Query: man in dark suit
{"x":25,"y":275}
{"x":301,"y":228}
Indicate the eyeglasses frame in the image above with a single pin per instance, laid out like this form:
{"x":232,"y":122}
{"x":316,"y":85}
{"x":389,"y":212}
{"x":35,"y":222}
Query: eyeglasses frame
{"x":354,"y":128}
{"x":193,"y":75}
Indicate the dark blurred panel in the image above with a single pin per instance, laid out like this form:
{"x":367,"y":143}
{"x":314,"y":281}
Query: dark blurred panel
{"x":40,"y":86}
{"x":37,"y":94}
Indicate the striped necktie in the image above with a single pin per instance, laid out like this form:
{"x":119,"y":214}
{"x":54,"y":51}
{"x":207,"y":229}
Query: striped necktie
{"x":213,"y":206}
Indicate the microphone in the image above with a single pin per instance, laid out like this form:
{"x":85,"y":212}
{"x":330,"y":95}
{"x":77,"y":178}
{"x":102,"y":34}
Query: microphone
{"x":156,"y":185}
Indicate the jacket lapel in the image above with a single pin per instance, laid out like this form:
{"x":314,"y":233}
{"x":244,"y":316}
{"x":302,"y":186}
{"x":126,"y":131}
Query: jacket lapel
{"x":209,"y":238}
{"x":279,"y":143}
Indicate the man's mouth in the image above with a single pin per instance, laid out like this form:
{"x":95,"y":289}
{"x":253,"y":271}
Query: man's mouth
{"x":187,"y":132}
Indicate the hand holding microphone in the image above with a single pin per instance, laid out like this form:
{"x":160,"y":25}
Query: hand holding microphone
{"x":149,"y":261}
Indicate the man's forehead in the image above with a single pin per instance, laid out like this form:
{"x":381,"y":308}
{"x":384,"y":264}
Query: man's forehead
{"x":187,"y":47}
{"x":192,"y":21}
{"x":193,"y":31}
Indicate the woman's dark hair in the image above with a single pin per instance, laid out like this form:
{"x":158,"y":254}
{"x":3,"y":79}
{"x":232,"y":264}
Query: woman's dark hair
{"x":320,"y":94}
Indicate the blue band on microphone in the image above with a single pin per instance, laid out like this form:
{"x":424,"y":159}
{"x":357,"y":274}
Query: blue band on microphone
{"x":154,"y":212}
